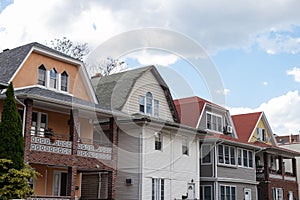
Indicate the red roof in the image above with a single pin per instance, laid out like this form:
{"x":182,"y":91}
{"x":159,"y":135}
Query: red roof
{"x":189,"y":109}
{"x":244,"y":124}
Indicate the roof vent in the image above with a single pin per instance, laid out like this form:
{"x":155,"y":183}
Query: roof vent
{"x":5,"y":50}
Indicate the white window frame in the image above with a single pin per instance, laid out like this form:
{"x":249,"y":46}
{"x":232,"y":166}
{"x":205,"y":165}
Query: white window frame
{"x":185,"y":144}
{"x":154,"y":105}
{"x":156,"y":188}
{"x":202,"y":188}
{"x":277,"y":193}
{"x":159,"y":136}
{"x":38,"y":123}
{"x":230,"y":186}
{"x":56,"y":172}
{"x":248,"y":158}
{"x":217,"y":125}
{"x":261,"y":134}
{"x":56,"y":79}
{"x":45,"y":75}
{"x":60,"y":81}
{"x":202,"y":155}
{"x":230,"y":156}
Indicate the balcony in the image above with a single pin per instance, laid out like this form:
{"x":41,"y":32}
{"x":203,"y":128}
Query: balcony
{"x":58,"y":143}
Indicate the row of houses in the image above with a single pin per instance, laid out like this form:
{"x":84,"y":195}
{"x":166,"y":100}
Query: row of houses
{"x":123,"y":136}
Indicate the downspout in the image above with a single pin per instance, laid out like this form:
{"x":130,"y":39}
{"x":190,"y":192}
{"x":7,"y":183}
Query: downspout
{"x":141,"y":165}
{"x":24,"y":115}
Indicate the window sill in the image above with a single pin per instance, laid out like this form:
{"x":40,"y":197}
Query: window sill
{"x":227,"y":165}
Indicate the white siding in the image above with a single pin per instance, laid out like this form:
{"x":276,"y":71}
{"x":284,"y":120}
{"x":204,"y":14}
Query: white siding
{"x":148,"y":83}
{"x":178,"y":170}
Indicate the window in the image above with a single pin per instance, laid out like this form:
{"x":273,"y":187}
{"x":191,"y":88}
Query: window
{"x":53,"y":78}
{"x":60,"y":183}
{"x":42,"y":75}
{"x":142,"y":104}
{"x":158,"y":189}
{"x":261,"y":134}
{"x":205,"y":154}
{"x":214,"y":122}
{"x":205,"y":192}
{"x":64,"y":81}
{"x":228,"y":192}
{"x":148,"y":105}
{"x":245,"y":158}
{"x":156,"y":108}
{"x":149,"y":100}
{"x":277,"y":193}
{"x":185,"y":147}
{"x":38,"y":123}
{"x":158,"y":141}
{"x":226,"y":155}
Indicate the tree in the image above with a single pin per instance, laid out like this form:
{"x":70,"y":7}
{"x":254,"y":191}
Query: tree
{"x":106,"y":67}
{"x":66,"y":46}
{"x":11,"y":143}
{"x":80,"y":50}
{"x":14,"y":183}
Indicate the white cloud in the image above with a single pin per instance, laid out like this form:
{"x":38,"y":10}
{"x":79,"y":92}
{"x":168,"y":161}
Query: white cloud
{"x":146,"y":57}
{"x":276,"y":43}
{"x":294,"y":72}
{"x":283,"y":113}
{"x":265,"y":83}
{"x":237,"y":24}
{"x":223,"y":92}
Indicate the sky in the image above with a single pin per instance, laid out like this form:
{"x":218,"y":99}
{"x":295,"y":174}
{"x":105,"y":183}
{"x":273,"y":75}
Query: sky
{"x":254,"y":45}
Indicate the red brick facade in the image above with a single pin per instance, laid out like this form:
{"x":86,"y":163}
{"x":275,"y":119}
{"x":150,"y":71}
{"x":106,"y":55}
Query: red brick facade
{"x":74,"y":163}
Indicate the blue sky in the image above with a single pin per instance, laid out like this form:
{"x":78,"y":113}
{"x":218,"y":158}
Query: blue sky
{"x":255,"y":46}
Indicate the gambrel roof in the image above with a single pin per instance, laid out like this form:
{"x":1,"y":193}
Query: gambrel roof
{"x":113,"y":91}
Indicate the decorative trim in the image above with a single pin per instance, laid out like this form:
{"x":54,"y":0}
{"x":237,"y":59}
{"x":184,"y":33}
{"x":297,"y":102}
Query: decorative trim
{"x":88,"y":150}
{"x":44,"y":145}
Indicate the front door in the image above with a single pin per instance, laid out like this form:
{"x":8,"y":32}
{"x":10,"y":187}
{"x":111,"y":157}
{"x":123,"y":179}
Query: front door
{"x":191,"y":190}
{"x":247,"y":193}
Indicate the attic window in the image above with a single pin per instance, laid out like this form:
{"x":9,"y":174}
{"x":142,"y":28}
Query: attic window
{"x":64,"y":81}
{"x":53,"y":78}
{"x":42,"y":75}
{"x":148,"y":105}
{"x":261,"y":134}
{"x":214,"y":122}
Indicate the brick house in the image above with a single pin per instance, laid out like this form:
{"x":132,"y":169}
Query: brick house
{"x":69,"y":138}
{"x":276,"y":180}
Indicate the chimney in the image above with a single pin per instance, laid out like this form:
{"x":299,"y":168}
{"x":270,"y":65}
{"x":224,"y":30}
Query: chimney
{"x":97,"y":75}
{"x":5,"y":50}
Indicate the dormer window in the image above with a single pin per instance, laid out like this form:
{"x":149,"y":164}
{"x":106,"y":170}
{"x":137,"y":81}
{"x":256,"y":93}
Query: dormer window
{"x":148,"y":105}
{"x":42,"y":75}
{"x":214,"y":122}
{"x":53,"y":78}
{"x":64,"y":81}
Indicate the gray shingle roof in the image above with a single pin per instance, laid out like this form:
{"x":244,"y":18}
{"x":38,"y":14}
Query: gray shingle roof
{"x":121,"y":84}
{"x":113,"y":91}
{"x":11,"y":59}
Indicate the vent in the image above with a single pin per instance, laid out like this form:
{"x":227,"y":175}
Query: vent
{"x":128,"y":181}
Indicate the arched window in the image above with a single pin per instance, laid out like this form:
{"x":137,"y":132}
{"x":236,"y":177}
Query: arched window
{"x":53,"y":78}
{"x":64,"y":81}
{"x":149,"y":100}
{"x":42,"y":75}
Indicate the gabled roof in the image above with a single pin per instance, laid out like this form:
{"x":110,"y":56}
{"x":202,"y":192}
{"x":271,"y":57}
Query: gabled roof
{"x":113,"y":91}
{"x":246,"y":125}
